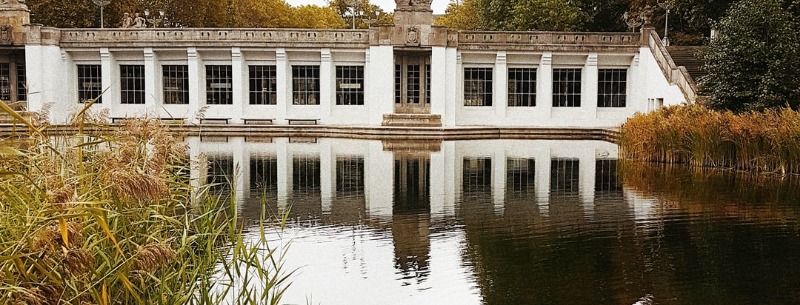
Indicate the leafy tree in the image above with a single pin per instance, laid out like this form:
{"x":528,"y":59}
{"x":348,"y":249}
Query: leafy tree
{"x":549,"y":15}
{"x":755,"y":61}
{"x":605,"y":15}
{"x":464,"y":15}
{"x":65,"y":13}
{"x":312,"y":16}
{"x":364,"y":10}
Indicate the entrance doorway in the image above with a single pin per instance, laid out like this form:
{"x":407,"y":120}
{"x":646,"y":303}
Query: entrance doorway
{"x":412,"y":83}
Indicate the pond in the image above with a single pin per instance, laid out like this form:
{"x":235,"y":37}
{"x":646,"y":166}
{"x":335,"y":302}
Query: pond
{"x":510,"y":222}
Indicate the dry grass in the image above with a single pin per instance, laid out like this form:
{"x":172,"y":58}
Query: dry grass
{"x":110,"y":218}
{"x":766,"y":141}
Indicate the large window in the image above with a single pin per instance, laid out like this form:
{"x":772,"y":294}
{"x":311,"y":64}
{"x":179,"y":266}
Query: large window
{"x":176,"y":84}
{"x":90,"y":83}
{"x":428,"y":84}
{"x":22,"y":83}
{"x":398,"y":84}
{"x":564,"y":176}
{"x":612,"y":88}
{"x":566,"y":87}
{"x":521,"y":87}
{"x":263,"y":85}
{"x":349,"y":85}
{"x":477,"y":86}
{"x":412,"y":84}
{"x":305,"y":85}
{"x":131,"y":84}
{"x":5,"y":81}
{"x":349,"y":176}
{"x":219,"y":85}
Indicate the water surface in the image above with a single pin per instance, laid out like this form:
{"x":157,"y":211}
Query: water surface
{"x":511,"y":222}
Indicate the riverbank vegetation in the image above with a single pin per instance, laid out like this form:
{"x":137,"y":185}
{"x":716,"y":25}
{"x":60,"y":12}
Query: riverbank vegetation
{"x":766,"y":141}
{"x":111,"y":218}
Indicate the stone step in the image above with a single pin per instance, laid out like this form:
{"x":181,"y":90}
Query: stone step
{"x":412,"y":120}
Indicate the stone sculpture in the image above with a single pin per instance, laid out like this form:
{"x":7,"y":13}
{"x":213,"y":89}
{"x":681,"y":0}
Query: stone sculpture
{"x":139,"y":22}
{"x":127,"y":21}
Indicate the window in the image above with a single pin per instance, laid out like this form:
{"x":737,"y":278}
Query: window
{"x":90,"y":83}
{"x":5,"y":81}
{"x":412,"y":84}
{"x":132,"y":84}
{"x":398,"y":86}
{"x":477,"y":176}
{"x":263,"y":174}
{"x":349,"y":176}
{"x":305,"y":85}
{"x":606,"y":179}
{"x":611,"y":88}
{"x":428,"y":84}
{"x":219,"y":85}
{"x":566,"y":87}
{"x":176,"y":84}
{"x":22,"y":83}
{"x":521,"y":176}
{"x":306,"y":174}
{"x":564,"y":176}
{"x":521,"y":87}
{"x":477,"y":86}
{"x":263,"y":85}
{"x":349,"y":85}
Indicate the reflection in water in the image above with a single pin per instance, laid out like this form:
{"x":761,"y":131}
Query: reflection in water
{"x":513,"y":222}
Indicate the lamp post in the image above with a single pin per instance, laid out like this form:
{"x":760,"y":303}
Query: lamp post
{"x":352,"y":4}
{"x":102,"y":4}
{"x":665,"y":5}
{"x":155,"y":21}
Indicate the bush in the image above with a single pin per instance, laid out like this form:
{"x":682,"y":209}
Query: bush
{"x":754,"y":63}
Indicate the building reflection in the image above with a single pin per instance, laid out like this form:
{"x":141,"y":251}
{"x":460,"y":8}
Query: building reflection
{"x":411,"y":218}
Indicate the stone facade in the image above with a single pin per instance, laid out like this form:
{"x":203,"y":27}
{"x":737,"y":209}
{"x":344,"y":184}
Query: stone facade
{"x":386,"y":75}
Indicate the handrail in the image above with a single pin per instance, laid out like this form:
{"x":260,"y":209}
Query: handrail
{"x":676,"y":75}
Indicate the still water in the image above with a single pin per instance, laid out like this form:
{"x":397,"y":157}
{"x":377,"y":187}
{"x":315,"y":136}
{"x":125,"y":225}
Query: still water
{"x":510,"y":222}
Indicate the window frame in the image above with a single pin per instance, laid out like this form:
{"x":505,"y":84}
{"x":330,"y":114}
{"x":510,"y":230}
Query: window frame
{"x":475,"y":97}
{"x":517,"y":95}
{"x":95,"y":79}
{"x":350,"y":96}
{"x":182,"y":84}
{"x":222,"y":95}
{"x":301,"y":96}
{"x":131,"y":84}
{"x":263,"y":84}
{"x":615,"y":98}
{"x":571,"y":96}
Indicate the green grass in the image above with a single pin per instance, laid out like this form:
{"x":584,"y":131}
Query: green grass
{"x":111,"y":218}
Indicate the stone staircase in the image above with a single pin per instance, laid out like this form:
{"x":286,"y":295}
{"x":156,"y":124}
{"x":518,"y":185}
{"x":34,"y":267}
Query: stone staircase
{"x":412,"y":120}
{"x":8,"y":122}
{"x":689,"y":57}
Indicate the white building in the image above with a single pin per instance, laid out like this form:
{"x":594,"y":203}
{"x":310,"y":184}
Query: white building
{"x":408,"y":74}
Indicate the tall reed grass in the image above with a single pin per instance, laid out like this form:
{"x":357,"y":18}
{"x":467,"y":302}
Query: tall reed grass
{"x":766,"y":141}
{"x":110,"y":218}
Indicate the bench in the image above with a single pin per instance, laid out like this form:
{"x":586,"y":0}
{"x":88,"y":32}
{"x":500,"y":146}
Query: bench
{"x":215,"y":121}
{"x":258,"y":121}
{"x":303,"y":121}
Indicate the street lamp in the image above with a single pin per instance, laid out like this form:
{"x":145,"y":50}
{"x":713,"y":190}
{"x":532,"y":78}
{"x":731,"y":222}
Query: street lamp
{"x":102,"y":4}
{"x":155,"y":21}
{"x":352,"y":4}
{"x":665,"y":5}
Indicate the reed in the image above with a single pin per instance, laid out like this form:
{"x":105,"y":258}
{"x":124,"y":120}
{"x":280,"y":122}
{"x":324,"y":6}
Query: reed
{"x":110,"y":218}
{"x":767,"y":141}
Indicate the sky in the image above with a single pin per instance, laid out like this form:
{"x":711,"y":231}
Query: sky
{"x":386,"y":5}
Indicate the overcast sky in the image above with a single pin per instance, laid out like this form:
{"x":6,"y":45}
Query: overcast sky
{"x":386,"y":5}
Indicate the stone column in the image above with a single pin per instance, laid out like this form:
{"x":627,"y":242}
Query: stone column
{"x":590,"y":88}
{"x":327,"y":87}
{"x":544,"y":85}
{"x":381,"y":95}
{"x":152,"y":98}
{"x":110,"y":79}
{"x":439,"y":81}
{"x":454,"y":86}
{"x":196,"y":83}
{"x":284,"y":89}
{"x":239,"y":80}
{"x":501,"y":86}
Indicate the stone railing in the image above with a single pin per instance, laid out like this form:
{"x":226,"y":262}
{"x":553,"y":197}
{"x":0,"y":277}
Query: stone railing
{"x":551,"y":41}
{"x":675,"y":75}
{"x":214,"y":37}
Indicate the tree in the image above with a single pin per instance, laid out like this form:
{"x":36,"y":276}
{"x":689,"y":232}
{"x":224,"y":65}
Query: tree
{"x":463,"y":15}
{"x":754,"y":63}
{"x":545,"y":15}
{"x":364,"y":10}
{"x":65,"y":13}
{"x":312,"y":16}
